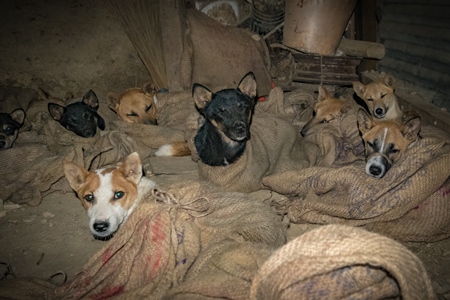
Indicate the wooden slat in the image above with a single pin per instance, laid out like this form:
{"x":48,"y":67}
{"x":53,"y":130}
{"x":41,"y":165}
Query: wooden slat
{"x":423,"y":10}
{"x":387,"y":34}
{"x":416,"y":30}
{"x":421,"y":51}
{"x":428,"y":2}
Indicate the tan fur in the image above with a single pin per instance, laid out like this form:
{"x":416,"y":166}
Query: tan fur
{"x":399,"y":135}
{"x":327,"y":109}
{"x":135,"y":105}
{"x":380,"y":96}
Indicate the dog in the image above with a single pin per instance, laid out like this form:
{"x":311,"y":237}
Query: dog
{"x":326,"y":110}
{"x":222,"y":138}
{"x":79,"y":117}
{"x":109,"y":195}
{"x":9,"y":127}
{"x":380,"y":98}
{"x":386,"y":141}
{"x":136,"y":104}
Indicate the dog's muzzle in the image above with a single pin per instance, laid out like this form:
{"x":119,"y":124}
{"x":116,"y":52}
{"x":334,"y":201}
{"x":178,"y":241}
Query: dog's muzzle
{"x":380,"y":112}
{"x":377,"y":165}
{"x":240,"y":131}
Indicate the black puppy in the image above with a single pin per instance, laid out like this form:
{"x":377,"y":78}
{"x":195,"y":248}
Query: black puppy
{"x":9,"y":127}
{"x":80,"y":117}
{"x":222,"y":138}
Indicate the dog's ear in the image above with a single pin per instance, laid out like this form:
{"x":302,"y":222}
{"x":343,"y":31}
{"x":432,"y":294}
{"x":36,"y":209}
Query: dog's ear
{"x":201,"y":95}
{"x":388,"y":80}
{"x":148,"y":87}
{"x":18,"y":115}
{"x":91,"y":99}
{"x":359,"y":89}
{"x":68,"y":95}
{"x":42,"y":95}
{"x":411,"y":128}
{"x":248,"y":85}
{"x":365,"y":121}
{"x":100,"y":122}
{"x":75,"y":174}
{"x":56,"y":111}
{"x":112,"y":99}
{"x":132,"y":167}
{"x":323,"y":94}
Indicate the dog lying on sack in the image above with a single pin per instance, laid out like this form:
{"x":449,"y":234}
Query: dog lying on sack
{"x":236,"y":149}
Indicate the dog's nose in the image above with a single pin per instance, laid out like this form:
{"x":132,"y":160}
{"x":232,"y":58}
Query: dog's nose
{"x":101,"y":226}
{"x":2,"y":144}
{"x":240,"y":127}
{"x":379,"y":111}
{"x":375,"y":170}
{"x":88,"y":132}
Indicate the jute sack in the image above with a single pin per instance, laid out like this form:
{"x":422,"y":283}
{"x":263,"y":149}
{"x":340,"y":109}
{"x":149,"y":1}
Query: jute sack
{"x":274,"y":146}
{"x":341,"y":262}
{"x":225,"y":270}
{"x":347,"y":195}
{"x":340,"y":141}
{"x":163,"y":237}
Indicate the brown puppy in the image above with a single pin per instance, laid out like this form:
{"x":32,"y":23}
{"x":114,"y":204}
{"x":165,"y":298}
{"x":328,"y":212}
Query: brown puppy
{"x":135,"y":104}
{"x":326,"y":109}
{"x":380,"y":98}
{"x":386,"y":141}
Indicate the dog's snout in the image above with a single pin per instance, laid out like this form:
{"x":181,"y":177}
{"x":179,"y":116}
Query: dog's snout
{"x":101,"y":226}
{"x":88,"y":132}
{"x":377,"y":166}
{"x":240,"y":127}
{"x":2,"y":144}
{"x":379,"y":111}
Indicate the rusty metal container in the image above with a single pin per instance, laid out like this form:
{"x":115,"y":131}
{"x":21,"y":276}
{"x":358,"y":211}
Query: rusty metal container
{"x":316,"y":26}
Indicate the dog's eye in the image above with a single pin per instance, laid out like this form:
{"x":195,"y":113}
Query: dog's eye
{"x":147,"y":108}
{"x":74,"y":121}
{"x":393,"y":151}
{"x":382,"y":96}
{"x":89,"y":198}
{"x":369,"y":99}
{"x":8,"y":129}
{"x":324,"y":121}
{"x":132,"y":114}
{"x":118,"y":195}
{"x":371,"y":145}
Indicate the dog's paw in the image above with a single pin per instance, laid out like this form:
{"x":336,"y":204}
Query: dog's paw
{"x":164,"y":150}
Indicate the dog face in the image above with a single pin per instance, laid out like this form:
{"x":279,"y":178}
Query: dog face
{"x":379,"y":97}
{"x":9,"y":127}
{"x":135,"y":104}
{"x":80,"y":117}
{"x":385,"y":141}
{"x":326,"y":110}
{"x":229,"y":110}
{"x":108,"y":195}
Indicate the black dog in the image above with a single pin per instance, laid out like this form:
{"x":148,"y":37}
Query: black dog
{"x":9,"y":127}
{"x":80,"y":117}
{"x":222,"y":138}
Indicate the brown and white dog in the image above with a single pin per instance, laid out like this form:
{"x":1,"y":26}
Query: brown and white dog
{"x":327,"y":109}
{"x":380,"y":98}
{"x":109,"y":195}
{"x":135,"y":104}
{"x":386,"y":141}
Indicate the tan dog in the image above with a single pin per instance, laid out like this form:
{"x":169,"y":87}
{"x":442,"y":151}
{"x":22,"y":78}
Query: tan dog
{"x":380,"y":98}
{"x":135,"y":104}
{"x":386,"y":141}
{"x":327,"y":109}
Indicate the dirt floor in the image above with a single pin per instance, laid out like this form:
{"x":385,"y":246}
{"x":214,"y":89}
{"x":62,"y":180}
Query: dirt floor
{"x":76,"y":46}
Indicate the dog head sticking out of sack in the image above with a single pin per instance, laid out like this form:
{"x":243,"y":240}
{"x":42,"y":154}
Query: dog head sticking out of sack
{"x":386,"y":141}
{"x":79,"y":117}
{"x":9,"y":127}
{"x":136,"y":105}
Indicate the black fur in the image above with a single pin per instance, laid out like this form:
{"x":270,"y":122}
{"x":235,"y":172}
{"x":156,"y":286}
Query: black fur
{"x":80,"y":117}
{"x":222,"y":138}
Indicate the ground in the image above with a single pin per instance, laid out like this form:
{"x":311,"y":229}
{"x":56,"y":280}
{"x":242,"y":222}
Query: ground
{"x":75,"y":46}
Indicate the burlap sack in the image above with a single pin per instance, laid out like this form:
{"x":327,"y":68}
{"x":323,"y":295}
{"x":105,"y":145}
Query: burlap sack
{"x":274,"y":146}
{"x":295,"y":107}
{"x":341,"y":262}
{"x":225,"y":270}
{"x":163,"y":237}
{"x":340,"y":141}
{"x":347,"y":195}
{"x":218,"y":55}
